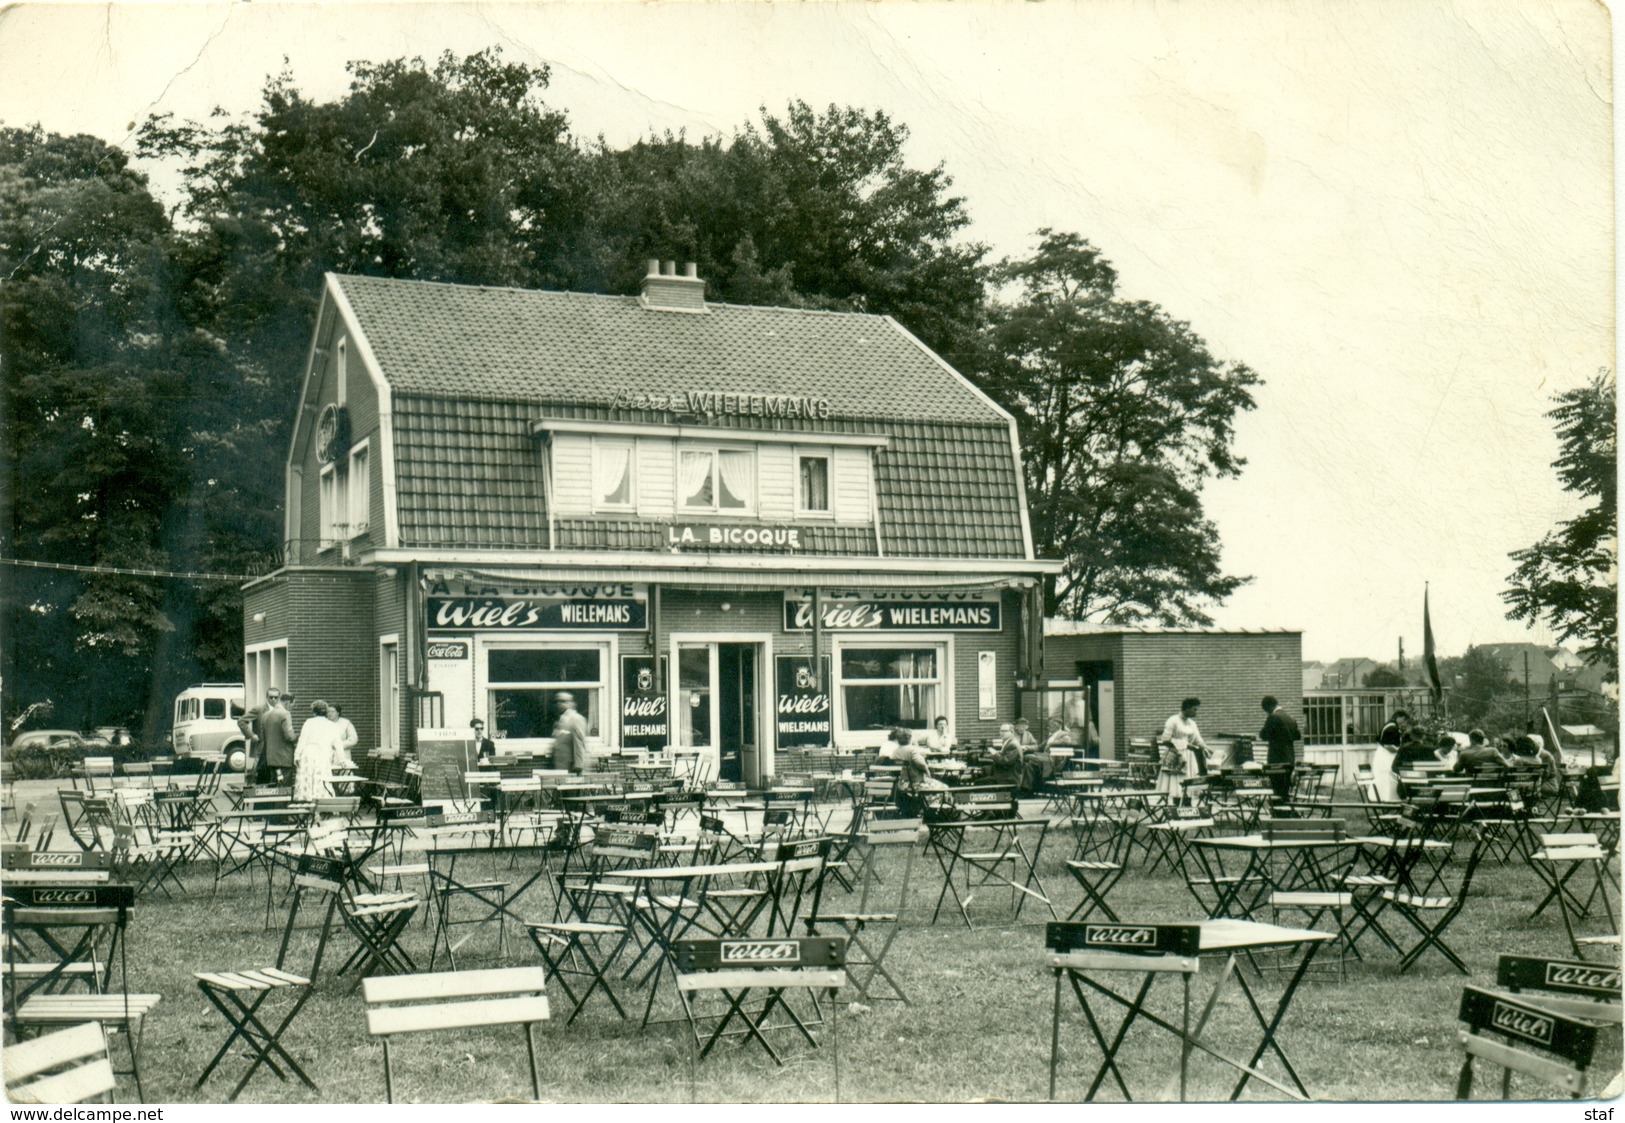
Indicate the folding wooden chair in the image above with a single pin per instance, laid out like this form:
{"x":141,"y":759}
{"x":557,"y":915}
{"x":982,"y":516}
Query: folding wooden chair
{"x":1431,"y":916}
{"x":457,"y":1000}
{"x":870,"y":934}
{"x":1521,"y":1036}
{"x":66,"y":1067}
{"x":1559,"y":861}
{"x":1097,"y":876}
{"x":239,"y":995}
{"x":97,"y":911}
{"x":735,"y":968}
{"x":575,"y":949}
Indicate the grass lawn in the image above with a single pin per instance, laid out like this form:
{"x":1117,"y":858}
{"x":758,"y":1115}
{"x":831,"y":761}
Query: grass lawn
{"x":978,"y":1025}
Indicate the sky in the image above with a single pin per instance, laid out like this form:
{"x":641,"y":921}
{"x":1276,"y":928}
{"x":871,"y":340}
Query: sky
{"x":1398,"y":213}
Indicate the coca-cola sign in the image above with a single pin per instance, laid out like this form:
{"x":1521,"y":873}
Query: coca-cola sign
{"x":805,"y":716}
{"x":917,"y":612}
{"x":447,"y":649}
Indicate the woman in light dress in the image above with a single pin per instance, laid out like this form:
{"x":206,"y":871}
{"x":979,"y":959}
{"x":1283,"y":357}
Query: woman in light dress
{"x":319,"y":739}
{"x":1181,"y":732}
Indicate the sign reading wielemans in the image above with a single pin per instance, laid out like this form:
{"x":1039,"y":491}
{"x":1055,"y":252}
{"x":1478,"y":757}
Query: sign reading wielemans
{"x":972,"y":612}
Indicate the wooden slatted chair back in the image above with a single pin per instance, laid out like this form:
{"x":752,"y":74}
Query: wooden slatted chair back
{"x":1122,"y":946}
{"x":1305,"y":830}
{"x":1573,"y":987}
{"x":456,"y":1000}
{"x":69,"y":1066}
{"x":1522,"y":1036}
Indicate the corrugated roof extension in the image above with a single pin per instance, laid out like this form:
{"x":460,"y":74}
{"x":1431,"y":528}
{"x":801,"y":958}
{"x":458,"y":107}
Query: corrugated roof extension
{"x":471,"y":368}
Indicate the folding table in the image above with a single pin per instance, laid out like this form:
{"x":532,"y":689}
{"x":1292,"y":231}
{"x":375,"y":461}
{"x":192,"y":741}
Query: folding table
{"x":663,"y":909}
{"x":1110,"y":810}
{"x":1078,"y":952}
{"x":1302,"y":870}
{"x":443,"y":877}
{"x":1007,"y":847}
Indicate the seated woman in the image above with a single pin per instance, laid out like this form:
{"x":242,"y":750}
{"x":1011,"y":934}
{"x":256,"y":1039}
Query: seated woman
{"x":1527,"y":752}
{"x":914,"y":777}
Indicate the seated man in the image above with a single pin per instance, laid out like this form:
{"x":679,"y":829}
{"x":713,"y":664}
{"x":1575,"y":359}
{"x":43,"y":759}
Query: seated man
{"x":1479,"y":754}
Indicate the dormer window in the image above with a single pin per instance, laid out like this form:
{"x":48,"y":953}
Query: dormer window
{"x":812,"y":495}
{"x":720,"y":480}
{"x":614,"y":477}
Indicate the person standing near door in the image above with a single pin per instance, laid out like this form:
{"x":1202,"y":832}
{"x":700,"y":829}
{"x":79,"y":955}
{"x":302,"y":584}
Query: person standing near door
{"x":569,"y":735}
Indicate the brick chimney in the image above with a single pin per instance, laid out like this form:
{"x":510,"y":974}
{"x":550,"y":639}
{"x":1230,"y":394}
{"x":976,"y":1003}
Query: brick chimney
{"x":664,"y":291}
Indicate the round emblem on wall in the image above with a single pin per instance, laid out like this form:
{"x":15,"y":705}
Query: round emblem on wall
{"x":332,"y":433}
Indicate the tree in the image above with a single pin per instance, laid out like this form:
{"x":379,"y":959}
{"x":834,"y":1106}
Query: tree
{"x":807,"y":209}
{"x":1570,"y":578}
{"x":1484,"y":693}
{"x":1384,"y":676}
{"x":93,"y":443}
{"x":1124,"y":415}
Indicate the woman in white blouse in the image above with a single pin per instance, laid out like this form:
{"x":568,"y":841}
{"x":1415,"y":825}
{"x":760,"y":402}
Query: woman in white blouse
{"x":1180,"y":731}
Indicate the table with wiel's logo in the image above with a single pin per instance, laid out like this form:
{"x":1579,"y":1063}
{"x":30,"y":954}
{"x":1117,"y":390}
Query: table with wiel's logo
{"x":1079,"y":954}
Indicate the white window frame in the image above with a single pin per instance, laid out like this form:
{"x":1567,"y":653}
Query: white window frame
{"x":342,"y":371}
{"x":332,"y":500}
{"x":260,"y":670}
{"x":828,"y":457}
{"x":753,"y":501}
{"x":608,"y":685}
{"x":389,"y":693}
{"x":599,"y":503}
{"x":359,"y":504}
{"x":874,"y":738}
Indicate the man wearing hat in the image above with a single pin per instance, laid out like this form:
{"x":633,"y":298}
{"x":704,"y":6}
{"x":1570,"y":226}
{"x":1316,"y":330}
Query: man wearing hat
{"x":569,"y":734}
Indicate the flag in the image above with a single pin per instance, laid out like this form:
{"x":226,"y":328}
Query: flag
{"x":1429,"y":660}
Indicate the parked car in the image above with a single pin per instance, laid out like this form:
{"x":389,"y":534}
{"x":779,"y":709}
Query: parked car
{"x":45,"y":753}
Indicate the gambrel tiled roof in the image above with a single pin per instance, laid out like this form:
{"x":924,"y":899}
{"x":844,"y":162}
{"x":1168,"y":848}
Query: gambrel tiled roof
{"x":524,"y":345}
{"x":471,"y":369}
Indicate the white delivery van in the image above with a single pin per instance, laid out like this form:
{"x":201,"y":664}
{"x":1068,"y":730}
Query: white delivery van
{"x":206,"y":722}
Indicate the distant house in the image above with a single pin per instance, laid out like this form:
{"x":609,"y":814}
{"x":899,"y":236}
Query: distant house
{"x":1546,"y":663}
{"x":1313,"y":672}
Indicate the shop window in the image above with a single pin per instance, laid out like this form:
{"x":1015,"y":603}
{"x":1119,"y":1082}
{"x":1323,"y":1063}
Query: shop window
{"x":813,"y":494}
{"x":524,"y":683}
{"x":884,"y":687}
{"x":613,"y":476}
{"x":722,"y":480}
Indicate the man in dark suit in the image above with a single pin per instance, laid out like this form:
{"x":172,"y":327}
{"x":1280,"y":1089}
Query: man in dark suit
{"x":1281,"y":733}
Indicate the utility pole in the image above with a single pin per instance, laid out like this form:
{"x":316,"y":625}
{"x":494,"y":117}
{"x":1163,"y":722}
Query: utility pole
{"x":1402,"y":658}
{"x":1526,"y":726}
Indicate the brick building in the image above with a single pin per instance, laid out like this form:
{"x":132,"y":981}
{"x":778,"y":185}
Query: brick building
{"x":724,"y":529}
{"x":1134,"y":678}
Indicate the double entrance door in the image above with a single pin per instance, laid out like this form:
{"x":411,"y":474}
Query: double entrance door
{"x":718,"y":704}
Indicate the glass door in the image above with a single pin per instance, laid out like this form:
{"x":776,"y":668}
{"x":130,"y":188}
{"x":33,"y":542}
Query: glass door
{"x":696,"y":674}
